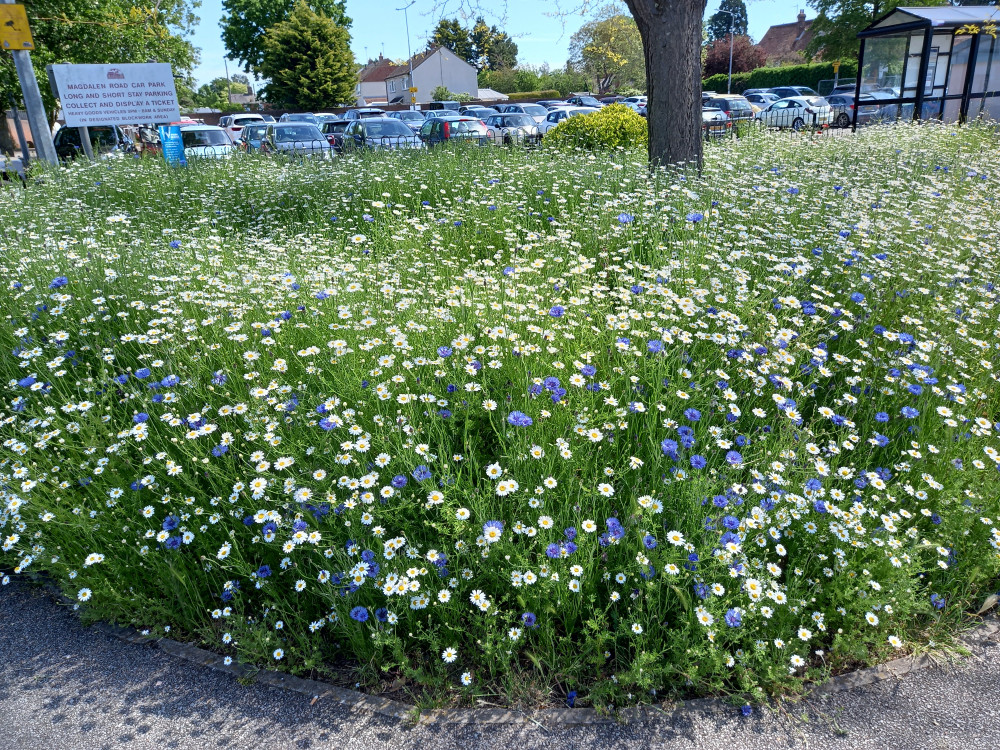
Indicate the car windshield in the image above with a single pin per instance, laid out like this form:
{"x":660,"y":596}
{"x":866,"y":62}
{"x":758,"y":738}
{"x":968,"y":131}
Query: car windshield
{"x":467,"y":127}
{"x":195,"y":138}
{"x":297,"y":133}
{"x":575,"y":112}
{"x":534,"y":109}
{"x":386,"y":129}
{"x":335,"y":126}
{"x":410,"y":115}
{"x":242,"y":121}
{"x":516,"y":121}
{"x":301,"y":118}
{"x":818,"y":101}
{"x":739,"y":104}
{"x":254,"y":132}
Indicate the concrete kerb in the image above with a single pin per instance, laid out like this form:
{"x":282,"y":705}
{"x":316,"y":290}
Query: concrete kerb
{"x":978,"y":637}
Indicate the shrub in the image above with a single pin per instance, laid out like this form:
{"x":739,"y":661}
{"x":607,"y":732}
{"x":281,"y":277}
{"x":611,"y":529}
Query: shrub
{"x":787,"y":75}
{"x":615,"y":126}
{"x":443,"y":94}
{"x":544,"y":94}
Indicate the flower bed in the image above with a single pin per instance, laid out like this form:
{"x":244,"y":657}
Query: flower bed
{"x":539,"y":424}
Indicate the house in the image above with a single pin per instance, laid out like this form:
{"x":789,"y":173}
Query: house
{"x":438,"y":66}
{"x":370,"y":88}
{"x":784,"y":44}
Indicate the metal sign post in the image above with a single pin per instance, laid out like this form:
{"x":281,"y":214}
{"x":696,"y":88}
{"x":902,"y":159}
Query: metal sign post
{"x":44,"y":148}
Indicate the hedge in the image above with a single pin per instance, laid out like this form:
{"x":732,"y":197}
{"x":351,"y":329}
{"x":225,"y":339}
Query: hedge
{"x":544,"y":94}
{"x":786,"y":75}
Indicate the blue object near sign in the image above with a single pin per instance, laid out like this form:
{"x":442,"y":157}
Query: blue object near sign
{"x":172,"y":145}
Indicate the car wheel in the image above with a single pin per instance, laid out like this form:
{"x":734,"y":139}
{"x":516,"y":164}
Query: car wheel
{"x":798,"y":124}
{"x":843,"y":121}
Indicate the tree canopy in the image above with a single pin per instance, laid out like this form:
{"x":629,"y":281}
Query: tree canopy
{"x":746,"y":55}
{"x":103,"y":31}
{"x":835,"y":29}
{"x":486,"y":47}
{"x":720,"y":24}
{"x":308,"y":62}
{"x":215,"y":94}
{"x":245,"y":23}
{"x":609,"y":51}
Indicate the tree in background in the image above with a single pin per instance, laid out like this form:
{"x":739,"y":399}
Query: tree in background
{"x":721,"y":24}
{"x":245,"y":23}
{"x":308,"y":62}
{"x":528,"y":78}
{"x":102,"y":31}
{"x":747,"y":56}
{"x":835,"y":29}
{"x":484,"y":46}
{"x":215,"y":95}
{"x":609,"y":50}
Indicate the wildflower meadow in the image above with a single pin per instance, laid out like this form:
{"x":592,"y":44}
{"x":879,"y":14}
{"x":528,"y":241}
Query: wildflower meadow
{"x":536,"y":426}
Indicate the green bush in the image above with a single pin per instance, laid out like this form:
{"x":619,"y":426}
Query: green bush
{"x":443,"y":94}
{"x":787,"y":75}
{"x":615,"y":126}
{"x":544,"y":94}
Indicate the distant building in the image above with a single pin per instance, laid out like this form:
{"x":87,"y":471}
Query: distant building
{"x":489,"y":95}
{"x":370,"y":88}
{"x":435,"y":67}
{"x":784,"y":44}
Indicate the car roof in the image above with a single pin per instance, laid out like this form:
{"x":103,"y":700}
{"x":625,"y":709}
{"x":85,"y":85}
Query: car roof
{"x":201,"y":127}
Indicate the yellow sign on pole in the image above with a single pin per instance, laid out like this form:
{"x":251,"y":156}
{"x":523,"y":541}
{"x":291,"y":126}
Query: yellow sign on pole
{"x":413,"y":89}
{"x":15,"y":33}
{"x":836,"y":66}
{"x":413,"y":100}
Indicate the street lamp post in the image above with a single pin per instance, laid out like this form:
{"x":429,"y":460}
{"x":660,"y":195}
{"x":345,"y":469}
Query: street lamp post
{"x":409,"y":54}
{"x":732,"y":38}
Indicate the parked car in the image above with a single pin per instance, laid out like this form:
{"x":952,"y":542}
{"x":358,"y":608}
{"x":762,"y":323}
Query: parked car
{"x":439,"y":130}
{"x":373,"y":133}
{"x":206,"y":142}
{"x":611,"y":99}
{"x":333,"y":130}
{"x":557,"y":116}
{"x":850,"y":88}
{"x":759,"y":100}
{"x":755,"y":91}
{"x":225,"y":120}
{"x":550,"y":103}
{"x":843,"y":109}
{"x":298,"y":138}
{"x":797,"y":113}
{"x":268,"y":118}
{"x":236,"y":124}
{"x":584,"y":101}
{"x":512,"y":128}
{"x":362,"y":112}
{"x":535,"y":111}
{"x":105,"y":140}
{"x":411,"y":118}
{"x":299,"y":117}
{"x":454,"y":106}
{"x":479,"y":112}
{"x":715,"y":123}
{"x":251,"y":137}
{"x":786,"y":91}
{"x":635,"y":103}
{"x":735,"y":106}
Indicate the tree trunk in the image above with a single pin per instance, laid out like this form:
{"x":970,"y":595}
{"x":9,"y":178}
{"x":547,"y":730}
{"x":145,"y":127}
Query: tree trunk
{"x":671,"y":43}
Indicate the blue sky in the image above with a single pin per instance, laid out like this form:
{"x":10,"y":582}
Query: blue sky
{"x":379,"y":27}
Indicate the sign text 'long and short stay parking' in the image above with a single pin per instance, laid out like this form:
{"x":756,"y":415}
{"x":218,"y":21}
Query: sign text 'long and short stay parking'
{"x":116,"y":94}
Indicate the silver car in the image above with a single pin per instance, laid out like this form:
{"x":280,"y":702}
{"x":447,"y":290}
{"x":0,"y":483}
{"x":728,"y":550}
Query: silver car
{"x":206,"y":142}
{"x":298,"y":138}
{"x":379,"y":133}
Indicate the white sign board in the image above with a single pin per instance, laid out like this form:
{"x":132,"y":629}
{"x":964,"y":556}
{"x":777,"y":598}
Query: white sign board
{"x":116,"y":94}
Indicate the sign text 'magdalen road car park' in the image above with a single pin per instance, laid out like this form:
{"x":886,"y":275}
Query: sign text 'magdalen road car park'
{"x":116,"y":94}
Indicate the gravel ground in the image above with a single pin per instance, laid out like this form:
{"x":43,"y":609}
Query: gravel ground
{"x":64,"y":686}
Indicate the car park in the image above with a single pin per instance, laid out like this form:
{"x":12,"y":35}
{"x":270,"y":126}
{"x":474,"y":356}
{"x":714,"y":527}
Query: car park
{"x":299,"y":117}
{"x":797,"y":113}
{"x":761,"y":99}
{"x":362,"y":112}
{"x":411,"y":118}
{"x":715,"y":123}
{"x":374,"y":133}
{"x":206,"y":142}
{"x":843,"y":106}
{"x":251,"y":137}
{"x":511,"y":128}
{"x":298,"y":138}
{"x":559,"y":115}
{"x":736,"y":108}
{"x":105,"y":141}
{"x":439,"y":130}
{"x":536,"y":111}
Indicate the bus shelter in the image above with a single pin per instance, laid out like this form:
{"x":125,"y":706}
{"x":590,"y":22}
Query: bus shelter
{"x":940,"y":63}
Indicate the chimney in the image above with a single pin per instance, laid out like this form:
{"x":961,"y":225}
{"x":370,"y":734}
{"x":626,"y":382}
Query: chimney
{"x":802,"y":21}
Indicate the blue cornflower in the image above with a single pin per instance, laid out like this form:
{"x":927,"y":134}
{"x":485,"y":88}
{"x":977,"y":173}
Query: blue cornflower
{"x":26,"y":382}
{"x":692,"y":415}
{"x":359,"y":614}
{"x":937,"y":601}
{"x":421,"y":473}
{"x":649,"y":541}
{"x":909,"y":412}
{"x":857,"y":297}
{"x":881,"y":417}
{"x":733,"y":618}
{"x":219,"y":377}
{"x":588,"y":371}
{"x":529,"y":619}
{"x":170,"y":523}
{"x":698,"y":462}
{"x":444,"y":351}
{"x":695,"y":217}
{"x":58,"y":282}
{"x":173,"y":542}
{"x":669,"y":448}
{"x":220,"y":450}
{"x":142,"y":373}
{"x":174,"y":244}
{"x":170,"y":381}
{"x":655,"y":346}
{"x":399,"y":481}
{"x":731,"y":522}
{"x":734,"y":458}
{"x":263,"y":571}
{"x":556,"y":311}
{"x":519,"y":419}
{"x":571,"y":698}
{"x":746,"y":710}
{"x":624,"y":218}
{"x":121,"y":379}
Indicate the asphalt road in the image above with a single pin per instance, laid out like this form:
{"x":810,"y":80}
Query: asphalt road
{"x":64,"y":686}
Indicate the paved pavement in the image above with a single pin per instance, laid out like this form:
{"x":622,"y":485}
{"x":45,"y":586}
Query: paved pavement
{"x":64,"y":686}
